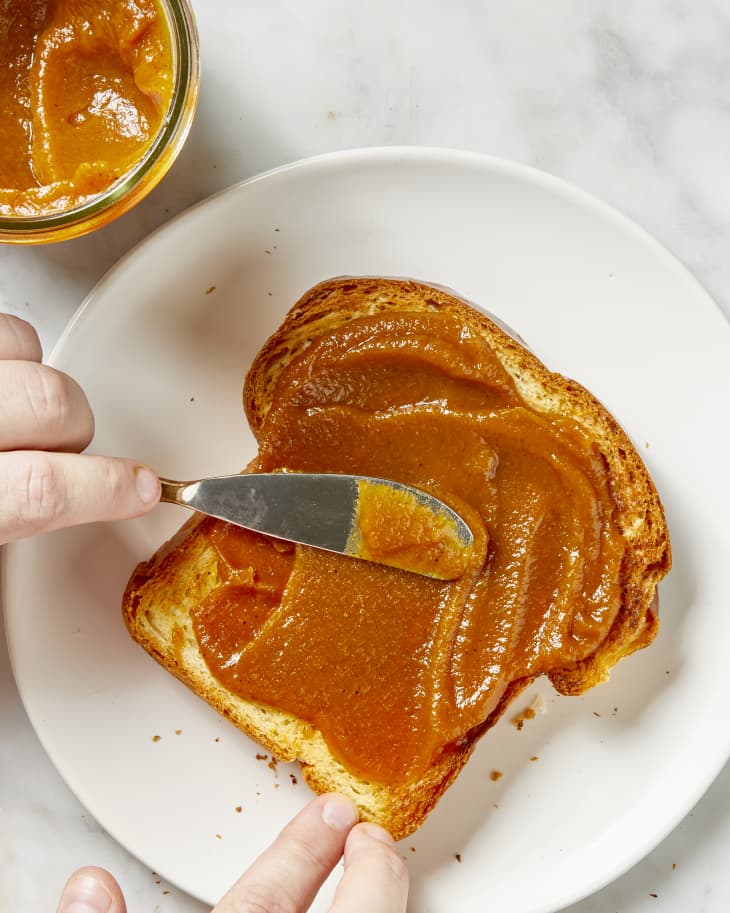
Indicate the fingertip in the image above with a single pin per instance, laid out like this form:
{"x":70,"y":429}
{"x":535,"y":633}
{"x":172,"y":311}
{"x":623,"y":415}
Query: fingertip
{"x":92,"y":890}
{"x":339,"y":812}
{"x":147,"y":485}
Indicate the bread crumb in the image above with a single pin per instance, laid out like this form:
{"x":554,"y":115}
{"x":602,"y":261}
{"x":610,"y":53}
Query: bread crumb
{"x":261,"y":757}
{"x":165,"y":892}
{"x":457,"y":857}
{"x":534,"y":758}
{"x":614,"y":711}
{"x":412,"y":849}
{"x":209,"y":290}
{"x":239,"y":809}
{"x":653,"y":895}
{"x":674,"y":866}
{"x":276,"y":785}
{"x":518,"y":721}
{"x":218,"y":837}
{"x":178,"y":732}
{"x":156,"y":738}
{"x":495,"y":775}
{"x":293,"y":779}
{"x":596,"y":713}
{"x":157,"y":881}
{"x":272,"y":764}
{"x":267,"y":251}
{"x":217,"y":738}
{"x":529,"y":713}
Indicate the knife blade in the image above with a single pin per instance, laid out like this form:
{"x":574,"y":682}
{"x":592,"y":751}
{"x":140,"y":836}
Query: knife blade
{"x":360,"y":516}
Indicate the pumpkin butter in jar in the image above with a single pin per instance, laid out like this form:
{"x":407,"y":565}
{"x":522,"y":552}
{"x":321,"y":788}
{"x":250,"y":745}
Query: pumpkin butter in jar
{"x":96,"y":98}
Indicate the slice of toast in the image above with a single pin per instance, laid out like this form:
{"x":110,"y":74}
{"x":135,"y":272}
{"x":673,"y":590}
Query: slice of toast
{"x":163,"y":592}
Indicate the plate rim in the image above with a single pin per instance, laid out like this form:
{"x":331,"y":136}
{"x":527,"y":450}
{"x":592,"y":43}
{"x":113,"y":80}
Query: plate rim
{"x":364,"y":154}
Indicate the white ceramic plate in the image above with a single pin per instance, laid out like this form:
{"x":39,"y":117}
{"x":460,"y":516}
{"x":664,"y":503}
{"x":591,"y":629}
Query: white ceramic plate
{"x":162,"y":346}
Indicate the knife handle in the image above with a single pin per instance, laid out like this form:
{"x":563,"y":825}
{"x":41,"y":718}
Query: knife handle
{"x":171,"y":491}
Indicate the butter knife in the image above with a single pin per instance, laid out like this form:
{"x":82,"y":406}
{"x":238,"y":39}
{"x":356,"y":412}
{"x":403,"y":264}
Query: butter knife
{"x":368,"y":518}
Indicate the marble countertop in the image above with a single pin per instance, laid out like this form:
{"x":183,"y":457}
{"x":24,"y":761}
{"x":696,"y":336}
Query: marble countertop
{"x":627,"y":101}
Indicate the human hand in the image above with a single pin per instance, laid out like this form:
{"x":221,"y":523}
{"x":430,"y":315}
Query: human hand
{"x":45,"y":423}
{"x":287,"y":876}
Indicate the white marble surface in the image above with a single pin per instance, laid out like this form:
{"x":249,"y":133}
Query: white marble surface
{"x":628,"y":101}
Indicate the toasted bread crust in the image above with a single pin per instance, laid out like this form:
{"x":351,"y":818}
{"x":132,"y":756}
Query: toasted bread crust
{"x":162,"y":592}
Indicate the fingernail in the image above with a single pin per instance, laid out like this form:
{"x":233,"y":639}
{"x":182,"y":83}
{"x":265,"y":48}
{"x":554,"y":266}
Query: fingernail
{"x":339,"y":813}
{"x":377,"y":833}
{"x":148,"y":485}
{"x":85,"y":894}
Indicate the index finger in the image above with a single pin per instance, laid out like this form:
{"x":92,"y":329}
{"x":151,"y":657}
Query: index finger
{"x":287,"y":876}
{"x":18,"y":339}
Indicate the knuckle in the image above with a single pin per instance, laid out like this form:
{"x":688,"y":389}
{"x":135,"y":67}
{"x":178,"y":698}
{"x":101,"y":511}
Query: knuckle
{"x":49,"y":396}
{"x":40,"y":493}
{"x":114,"y":480}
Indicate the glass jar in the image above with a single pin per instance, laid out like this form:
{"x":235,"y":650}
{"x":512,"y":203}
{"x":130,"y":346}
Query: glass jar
{"x":149,"y":169}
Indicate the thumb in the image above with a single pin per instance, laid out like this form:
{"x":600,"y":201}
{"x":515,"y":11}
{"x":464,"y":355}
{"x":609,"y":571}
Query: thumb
{"x":92,"y":890}
{"x":42,"y":491}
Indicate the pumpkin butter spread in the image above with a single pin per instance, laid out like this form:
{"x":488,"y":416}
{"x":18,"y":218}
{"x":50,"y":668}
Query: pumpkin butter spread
{"x":380,"y":682}
{"x":394,"y":527}
{"x":388,"y":665}
{"x":84,"y":88}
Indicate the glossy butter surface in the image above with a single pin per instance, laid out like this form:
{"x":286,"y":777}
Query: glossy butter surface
{"x":393,"y":667}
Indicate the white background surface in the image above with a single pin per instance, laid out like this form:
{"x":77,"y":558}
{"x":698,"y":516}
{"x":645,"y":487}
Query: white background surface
{"x":626,"y":103}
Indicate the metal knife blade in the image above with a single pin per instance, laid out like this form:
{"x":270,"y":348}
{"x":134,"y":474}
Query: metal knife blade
{"x":363,"y":517}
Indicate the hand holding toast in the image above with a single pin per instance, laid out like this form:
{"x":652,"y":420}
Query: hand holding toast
{"x":287,"y":876}
{"x":45,"y":423}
